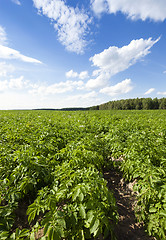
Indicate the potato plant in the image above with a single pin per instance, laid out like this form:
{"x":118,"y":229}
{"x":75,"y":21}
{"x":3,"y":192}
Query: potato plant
{"x":55,"y":160}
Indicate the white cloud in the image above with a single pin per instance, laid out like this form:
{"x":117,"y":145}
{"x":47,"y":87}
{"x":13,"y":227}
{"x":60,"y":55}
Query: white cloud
{"x":16,"y":2}
{"x":57,"y":88}
{"x":3,"y":36}
{"x":164,"y":72}
{"x":83,"y":100}
{"x":13,"y":83}
{"x":99,"y":82}
{"x":70,"y":23}
{"x":161,"y":93}
{"x":114,"y":60}
{"x":120,"y":88}
{"x":3,"y":85}
{"x":99,"y":6}
{"x":137,"y":9}
{"x":9,"y":53}
{"x":82,"y":75}
{"x":149,"y":91}
{"x":89,"y":95}
{"x":71,"y":74}
{"x":5,"y":69}
{"x":17,"y":83}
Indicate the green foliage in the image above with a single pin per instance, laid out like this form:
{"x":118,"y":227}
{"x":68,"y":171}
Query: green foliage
{"x":55,"y":160}
{"x":131,"y":104}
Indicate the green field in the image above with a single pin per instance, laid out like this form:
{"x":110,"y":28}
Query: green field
{"x":52,"y":165}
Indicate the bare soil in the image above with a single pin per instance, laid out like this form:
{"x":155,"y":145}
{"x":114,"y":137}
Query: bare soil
{"x":127,"y":228}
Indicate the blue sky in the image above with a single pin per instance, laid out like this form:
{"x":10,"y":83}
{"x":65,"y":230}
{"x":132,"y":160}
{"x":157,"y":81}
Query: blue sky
{"x":56,"y":53}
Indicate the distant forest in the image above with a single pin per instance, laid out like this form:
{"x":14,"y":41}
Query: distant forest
{"x":131,"y":104}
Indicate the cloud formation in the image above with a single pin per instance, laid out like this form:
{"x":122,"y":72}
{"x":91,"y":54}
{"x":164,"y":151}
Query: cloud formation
{"x":5,"y":69}
{"x":9,"y":53}
{"x":16,"y":2}
{"x":120,"y":88}
{"x":149,"y":91}
{"x":89,"y":95}
{"x":70,"y":23}
{"x":82,"y":75}
{"x":99,"y":82}
{"x":161,"y":93}
{"x":114,"y":60}
{"x":14,"y":83}
{"x":57,"y":88}
{"x":137,"y":9}
{"x":83,"y":99}
{"x":3,"y":36}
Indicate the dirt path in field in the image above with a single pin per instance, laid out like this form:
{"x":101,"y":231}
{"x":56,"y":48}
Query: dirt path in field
{"x":127,"y":227}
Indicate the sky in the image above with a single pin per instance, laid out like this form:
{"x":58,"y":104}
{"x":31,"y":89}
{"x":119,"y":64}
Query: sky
{"x":58,"y":54}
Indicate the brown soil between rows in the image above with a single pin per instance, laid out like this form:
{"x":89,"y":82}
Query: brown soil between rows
{"x":127,"y":228}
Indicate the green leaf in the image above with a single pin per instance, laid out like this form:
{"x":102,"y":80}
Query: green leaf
{"x":95,"y":225}
{"x":46,"y":228}
{"x":82,"y":211}
{"x":32,"y":211}
{"x":82,"y":235}
{"x":61,"y":222}
{"x":55,"y":235}
{"x":50,"y":233}
{"x":32,"y":236}
{"x":152,"y":210}
{"x":60,"y":231}
{"x":81,"y":197}
{"x":4,"y":235}
{"x":90,"y":216}
{"x":24,"y":233}
{"x":76,"y":194}
{"x":163,"y":213}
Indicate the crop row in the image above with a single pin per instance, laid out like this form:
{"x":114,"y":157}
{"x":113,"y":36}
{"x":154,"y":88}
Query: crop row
{"x":54,"y":162}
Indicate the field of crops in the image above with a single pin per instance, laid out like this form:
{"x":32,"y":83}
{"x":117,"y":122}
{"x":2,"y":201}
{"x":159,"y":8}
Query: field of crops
{"x":52,"y":164}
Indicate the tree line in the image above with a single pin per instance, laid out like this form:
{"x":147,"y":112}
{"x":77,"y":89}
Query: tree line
{"x":132,"y":104}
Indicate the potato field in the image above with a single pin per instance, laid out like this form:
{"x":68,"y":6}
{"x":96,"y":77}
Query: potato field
{"x":52,"y":165}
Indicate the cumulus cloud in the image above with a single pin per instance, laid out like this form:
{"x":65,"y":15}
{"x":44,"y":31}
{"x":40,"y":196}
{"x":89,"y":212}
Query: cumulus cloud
{"x":83,"y":99}
{"x":89,"y":95}
{"x":82,"y":75}
{"x":99,"y":82}
{"x":149,"y":91}
{"x":16,"y":2}
{"x":99,"y":6}
{"x":114,"y":60}
{"x":13,"y":83}
{"x":57,"y":88}
{"x":17,"y":83}
{"x":71,"y":74}
{"x":137,"y":9}
{"x":120,"y":88}
{"x":5,"y":69}
{"x":70,"y":23}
